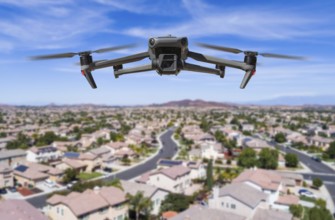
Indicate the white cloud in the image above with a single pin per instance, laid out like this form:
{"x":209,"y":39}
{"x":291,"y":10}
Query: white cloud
{"x":51,"y":24}
{"x":266,"y":23}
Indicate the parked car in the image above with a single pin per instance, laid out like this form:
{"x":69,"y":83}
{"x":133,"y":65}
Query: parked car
{"x":49,"y":183}
{"x":108,"y":169}
{"x":305,"y":192}
{"x":12,"y":189}
{"x":3,"y":191}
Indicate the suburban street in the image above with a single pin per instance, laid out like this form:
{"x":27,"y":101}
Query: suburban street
{"x":320,"y":170}
{"x":169,"y":149}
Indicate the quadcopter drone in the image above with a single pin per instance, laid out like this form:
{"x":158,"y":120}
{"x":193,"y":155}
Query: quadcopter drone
{"x":168,"y":56}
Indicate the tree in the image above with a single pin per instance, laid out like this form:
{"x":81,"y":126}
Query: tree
{"x":116,"y":137}
{"x":280,"y":138}
{"x":22,"y":141}
{"x":321,"y":203}
{"x":268,"y":158}
{"x":317,"y":183}
{"x":175,"y":202}
{"x":331,"y":150}
{"x":296,"y":210}
{"x":70,"y":175}
{"x":140,"y":204}
{"x":209,"y":172}
{"x":247,"y":158}
{"x":291,"y":160}
{"x":317,"y":213}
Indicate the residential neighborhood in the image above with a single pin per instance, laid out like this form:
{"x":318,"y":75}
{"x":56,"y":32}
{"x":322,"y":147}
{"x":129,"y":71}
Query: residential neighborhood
{"x":167,"y":162}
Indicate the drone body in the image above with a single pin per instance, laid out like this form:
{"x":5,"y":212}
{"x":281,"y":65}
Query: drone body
{"x":168,"y":56}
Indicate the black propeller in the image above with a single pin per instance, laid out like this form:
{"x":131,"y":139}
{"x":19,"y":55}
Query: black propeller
{"x":236,"y":51}
{"x":72,"y":54}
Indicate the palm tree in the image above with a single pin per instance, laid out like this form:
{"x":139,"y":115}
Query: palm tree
{"x":139,"y":204}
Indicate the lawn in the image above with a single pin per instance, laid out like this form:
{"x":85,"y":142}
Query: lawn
{"x":88,"y":176}
{"x":308,"y":199}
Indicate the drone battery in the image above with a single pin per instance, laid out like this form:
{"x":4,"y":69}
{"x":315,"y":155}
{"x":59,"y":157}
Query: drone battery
{"x":167,"y":63}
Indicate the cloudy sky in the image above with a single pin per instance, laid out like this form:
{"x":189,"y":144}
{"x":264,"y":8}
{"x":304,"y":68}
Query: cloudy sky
{"x":34,"y":27}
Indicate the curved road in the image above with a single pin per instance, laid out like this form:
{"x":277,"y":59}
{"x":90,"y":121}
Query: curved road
{"x":168,"y":151}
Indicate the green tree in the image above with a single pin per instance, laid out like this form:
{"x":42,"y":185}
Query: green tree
{"x":175,"y":202}
{"x":317,"y":183}
{"x":317,"y":213}
{"x":22,"y":141}
{"x":70,"y":175}
{"x":296,"y":210}
{"x":140,"y":204}
{"x":209,"y":176}
{"x":331,"y":150}
{"x":116,"y":136}
{"x":321,"y":203}
{"x":268,"y":158}
{"x":247,"y":158}
{"x":280,"y":138}
{"x":291,"y":160}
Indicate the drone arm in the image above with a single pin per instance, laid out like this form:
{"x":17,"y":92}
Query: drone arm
{"x":219,"y":61}
{"x":201,"y":69}
{"x":120,"y":61}
{"x":143,"y":68}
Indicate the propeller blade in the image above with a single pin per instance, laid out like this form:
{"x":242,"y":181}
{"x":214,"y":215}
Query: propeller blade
{"x":53,"y":56}
{"x":226,"y":49}
{"x":104,"y":50}
{"x":280,"y":56}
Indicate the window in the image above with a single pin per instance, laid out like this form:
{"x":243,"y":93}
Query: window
{"x":62,"y":212}
{"x":84,"y":217}
{"x":233,"y":206}
{"x":227,"y":205}
{"x":157,"y":201}
{"x":157,"y":178}
{"x":222,"y":204}
{"x":57,"y":210}
{"x":103,"y":211}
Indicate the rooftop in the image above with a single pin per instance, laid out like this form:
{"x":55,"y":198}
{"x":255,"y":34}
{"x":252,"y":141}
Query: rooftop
{"x":19,"y":210}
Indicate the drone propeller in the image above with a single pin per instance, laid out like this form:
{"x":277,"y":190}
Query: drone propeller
{"x":237,"y":51}
{"x":71,"y":54}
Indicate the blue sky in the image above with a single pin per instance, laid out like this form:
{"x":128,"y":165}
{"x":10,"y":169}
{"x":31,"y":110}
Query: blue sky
{"x":33,"y":27}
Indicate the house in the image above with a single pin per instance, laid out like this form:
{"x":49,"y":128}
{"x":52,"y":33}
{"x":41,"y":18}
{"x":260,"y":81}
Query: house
{"x":6,"y":176}
{"x":175,"y":179}
{"x":265,"y":181}
{"x":155,"y":194}
{"x":100,"y":151}
{"x":238,"y":198}
{"x":248,"y":127}
{"x":285,"y":201}
{"x":70,"y":163}
{"x":321,"y":142}
{"x":12,"y":158}
{"x":26,"y":176}
{"x":256,"y":144}
{"x":197,"y":212}
{"x":92,"y":161}
{"x":197,"y":168}
{"x":43,"y":154}
{"x":212,"y":150}
{"x":19,"y":209}
{"x":266,"y":214}
{"x":116,"y":146}
{"x":99,"y":204}
{"x":32,"y":174}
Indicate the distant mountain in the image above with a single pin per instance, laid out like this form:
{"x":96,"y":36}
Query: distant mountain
{"x":194,"y":103}
{"x":328,"y":100}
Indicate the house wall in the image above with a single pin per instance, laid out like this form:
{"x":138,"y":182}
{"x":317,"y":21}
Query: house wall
{"x":6,"y":179}
{"x":26,"y":182}
{"x":177,"y":186}
{"x":226,"y":203}
{"x":157,"y":199}
{"x":42,"y":157}
{"x":62,"y":212}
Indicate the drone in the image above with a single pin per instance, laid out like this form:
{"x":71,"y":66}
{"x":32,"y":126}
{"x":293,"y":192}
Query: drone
{"x":168,"y":56}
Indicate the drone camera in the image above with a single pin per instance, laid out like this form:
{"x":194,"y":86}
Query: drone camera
{"x":167,"y":63}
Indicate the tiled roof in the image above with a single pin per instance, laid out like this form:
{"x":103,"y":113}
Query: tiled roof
{"x":19,"y":210}
{"x":265,"y":179}
{"x":243,"y":193}
{"x":202,"y":213}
